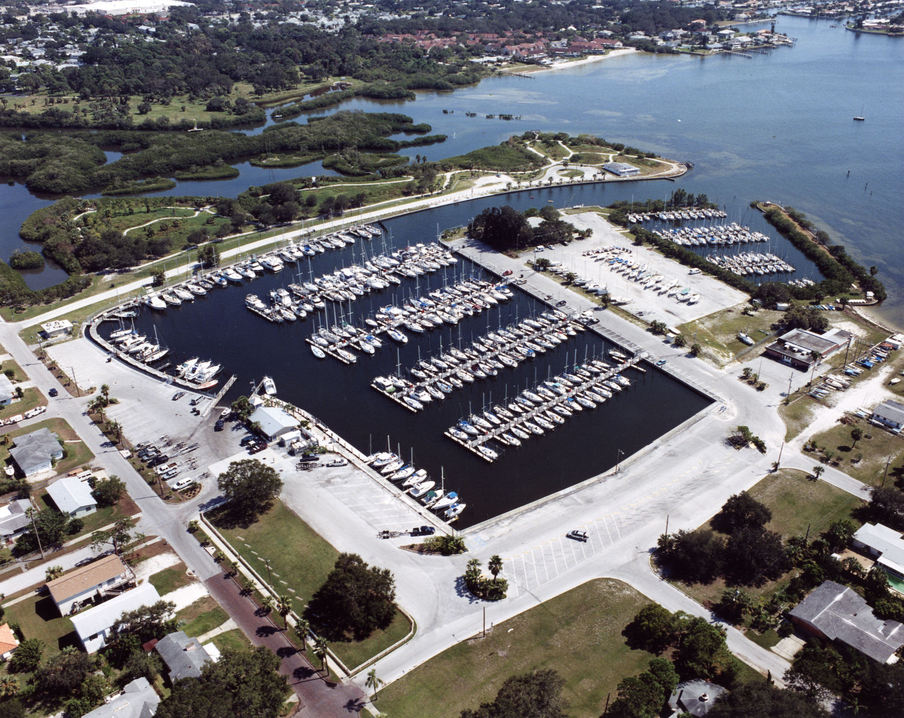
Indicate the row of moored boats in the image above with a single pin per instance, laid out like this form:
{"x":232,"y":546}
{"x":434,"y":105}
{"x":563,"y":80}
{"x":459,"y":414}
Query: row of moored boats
{"x":535,"y":412}
{"x":435,"y":378}
{"x":751,"y":263}
{"x":418,"y":485}
{"x":711,"y":235}
{"x":621,"y":262}
{"x":677,"y":215}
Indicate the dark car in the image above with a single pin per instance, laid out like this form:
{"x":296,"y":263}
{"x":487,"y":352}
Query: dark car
{"x":561,"y":303}
{"x":423,"y":531}
{"x":178,"y":395}
{"x":219,"y":425}
{"x":53,"y":392}
{"x":246,"y":439}
{"x":578,"y":535}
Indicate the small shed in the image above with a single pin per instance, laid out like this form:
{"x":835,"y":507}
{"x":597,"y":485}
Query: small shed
{"x":35,"y":453}
{"x":695,"y":698}
{"x":72,"y":496}
{"x":273,"y":421}
{"x":56,"y":328}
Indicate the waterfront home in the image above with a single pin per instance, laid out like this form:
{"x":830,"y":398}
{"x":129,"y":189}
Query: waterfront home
{"x":85,"y":584}
{"x":837,"y":613}
{"x":35,"y":453}
{"x":94,"y":625}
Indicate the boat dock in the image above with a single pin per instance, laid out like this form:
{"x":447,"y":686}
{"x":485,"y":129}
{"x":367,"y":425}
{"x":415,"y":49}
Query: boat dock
{"x":476,"y":444}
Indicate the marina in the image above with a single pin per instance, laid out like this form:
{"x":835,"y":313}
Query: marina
{"x":710,"y":235}
{"x":751,"y":263}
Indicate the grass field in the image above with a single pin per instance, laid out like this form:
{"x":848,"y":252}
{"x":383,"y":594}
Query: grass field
{"x":865,"y":460}
{"x":231,"y":639}
{"x":578,"y":634}
{"x":76,"y":453}
{"x":797,"y":415}
{"x":38,"y":617}
{"x":171,"y":578}
{"x":18,"y":374}
{"x":303,"y":569}
{"x":202,"y":616}
{"x":104,"y":516}
{"x":719,"y":331}
{"x":31,"y":398}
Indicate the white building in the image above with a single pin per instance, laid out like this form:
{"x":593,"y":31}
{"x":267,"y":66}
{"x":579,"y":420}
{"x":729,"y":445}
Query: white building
{"x":35,"y":453}
{"x":56,"y":328}
{"x":93,"y":626}
{"x":890,"y":414}
{"x":84,"y":584}
{"x":72,"y":496}
{"x":883,"y":544}
{"x":7,"y":391}
{"x":621,"y":169}
{"x":273,"y":421}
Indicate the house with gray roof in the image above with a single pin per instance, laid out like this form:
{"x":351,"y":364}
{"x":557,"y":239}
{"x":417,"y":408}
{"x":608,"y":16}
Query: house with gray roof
{"x":7,"y":390}
{"x":890,"y":414}
{"x":93,"y":626}
{"x":35,"y":453}
{"x":72,"y":496}
{"x":838,"y":613}
{"x":184,"y":657}
{"x":883,"y":544}
{"x":13,"y":520}
{"x":137,"y":700}
{"x":694,"y":698}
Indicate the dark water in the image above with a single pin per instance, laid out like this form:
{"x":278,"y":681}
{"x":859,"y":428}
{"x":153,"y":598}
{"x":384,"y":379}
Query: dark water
{"x":219,"y":327}
{"x":778,"y":127}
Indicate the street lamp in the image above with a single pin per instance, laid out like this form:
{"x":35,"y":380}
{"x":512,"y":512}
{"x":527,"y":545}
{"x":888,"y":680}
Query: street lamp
{"x":269,"y":575}
{"x":618,"y":456}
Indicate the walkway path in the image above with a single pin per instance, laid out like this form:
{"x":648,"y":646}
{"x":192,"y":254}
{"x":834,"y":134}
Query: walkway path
{"x":166,"y":219}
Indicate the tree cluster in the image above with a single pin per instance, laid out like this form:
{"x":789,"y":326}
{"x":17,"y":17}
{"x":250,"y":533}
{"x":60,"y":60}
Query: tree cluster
{"x":504,"y":228}
{"x":354,"y":601}
{"x":489,"y":589}
{"x":801,"y":317}
{"x":52,"y":527}
{"x":750,"y":555}
{"x":644,"y":695}
{"x":530,"y":695}
{"x":249,"y":486}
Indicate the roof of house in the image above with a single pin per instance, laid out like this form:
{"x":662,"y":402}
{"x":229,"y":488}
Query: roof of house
{"x":35,"y":449}
{"x":12,"y":516}
{"x":85,"y":578}
{"x":808,"y":341}
{"x":272,"y":420}
{"x":841,"y":614}
{"x":7,"y":391}
{"x":695,"y":697}
{"x":70,"y":494}
{"x":8,"y":640}
{"x":102,"y":617}
{"x":183,"y":656}
{"x":138,"y":700}
{"x":893,"y":410}
{"x":884,"y":541}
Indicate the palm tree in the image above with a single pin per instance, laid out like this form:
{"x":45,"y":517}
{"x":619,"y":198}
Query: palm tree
{"x":267,"y":603}
{"x":105,"y":393}
{"x":284,"y":608}
{"x":321,"y":649}
{"x":302,"y":629}
{"x":818,"y":470}
{"x":9,"y":687}
{"x":373,"y":683}
{"x":494,"y":565}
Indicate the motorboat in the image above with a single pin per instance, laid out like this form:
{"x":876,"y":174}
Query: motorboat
{"x":269,"y":386}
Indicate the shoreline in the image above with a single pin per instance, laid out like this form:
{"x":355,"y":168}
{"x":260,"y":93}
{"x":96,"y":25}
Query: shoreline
{"x":568,"y":64}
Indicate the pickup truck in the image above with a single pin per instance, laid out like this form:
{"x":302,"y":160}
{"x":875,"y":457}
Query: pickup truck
{"x":576,"y":535}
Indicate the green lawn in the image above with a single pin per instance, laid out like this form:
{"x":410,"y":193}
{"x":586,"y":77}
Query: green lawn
{"x":75,"y":451}
{"x":797,"y":415}
{"x":304,"y":568}
{"x":38,"y":617}
{"x":719,"y":330}
{"x":201,"y":616}
{"x":18,"y":373}
{"x":578,"y":634}
{"x":169,"y":579}
{"x":31,"y":398}
{"x":104,"y":516}
{"x":865,"y":460}
{"x":231,"y":639}
{"x":797,"y":503}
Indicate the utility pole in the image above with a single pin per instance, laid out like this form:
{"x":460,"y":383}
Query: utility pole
{"x":484,"y":621}
{"x":886,"y":471}
{"x":779,"y":460}
{"x":618,"y":456}
{"x":31,"y":515}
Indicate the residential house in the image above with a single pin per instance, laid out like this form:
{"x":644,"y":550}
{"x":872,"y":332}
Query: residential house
{"x":184,"y":657}
{"x":35,"y":453}
{"x":13,"y":519}
{"x":694,"y":698}
{"x":7,"y":391}
{"x":84,"y":584}
{"x":8,"y":642}
{"x":883,"y":544}
{"x":137,"y":700}
{"x":72,"y":496}
{"x":93,"y":626}
{"x":837,"y":613}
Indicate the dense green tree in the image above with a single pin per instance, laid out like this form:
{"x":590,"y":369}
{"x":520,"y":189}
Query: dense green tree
{"x":27,"y":657}
{"x":108,"y":491}
{"x":653,"y":629}
{"x":354,"y":601}
{"x":531,"y":695}
{"x":249,"y":487}
{"x":741,"y":511}
{"x":886,"y":506}
{"x":64,"y":672}
{"x":51,"y":528}
{"x":701,"y":649}
{"x":147,"y":622}
{"x":756,"y":555}
{"x":763,"y":700}
{"x":693,"y":556}
{"x":243,"y":683}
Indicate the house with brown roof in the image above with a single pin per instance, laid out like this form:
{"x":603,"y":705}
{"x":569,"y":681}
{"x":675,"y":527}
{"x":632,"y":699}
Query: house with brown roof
{"x":82,"y":585}
{"x":8,"y":642}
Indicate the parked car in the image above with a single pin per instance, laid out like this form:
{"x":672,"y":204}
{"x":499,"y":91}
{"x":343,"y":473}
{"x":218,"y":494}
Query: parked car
{"x":561,"y":303}
{"x":423,"y":531}
{"x":578,"y":535}
{"x":660,"y":362}
{"x":219,"y":425}
{"x":53,"y":392}
{"x":178,"y":395}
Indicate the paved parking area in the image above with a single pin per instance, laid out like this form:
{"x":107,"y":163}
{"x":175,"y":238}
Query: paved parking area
{"x":714,"y":295}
